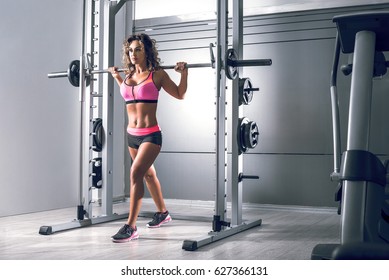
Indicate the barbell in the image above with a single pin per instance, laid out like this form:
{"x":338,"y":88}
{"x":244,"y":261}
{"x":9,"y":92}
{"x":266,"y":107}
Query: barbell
{"x":231,"y":69}
{"x":73,"y":72}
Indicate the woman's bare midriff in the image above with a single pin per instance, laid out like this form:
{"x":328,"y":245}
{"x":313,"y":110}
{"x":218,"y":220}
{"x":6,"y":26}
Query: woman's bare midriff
{"x":142,"y":115}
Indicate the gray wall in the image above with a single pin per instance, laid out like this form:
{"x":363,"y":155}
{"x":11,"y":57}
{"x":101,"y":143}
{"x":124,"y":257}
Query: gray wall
{"x":39,"y":117}
{"x":292,"y":109}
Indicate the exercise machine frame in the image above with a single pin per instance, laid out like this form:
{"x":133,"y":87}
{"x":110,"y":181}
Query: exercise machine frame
{"x":221,"y":226}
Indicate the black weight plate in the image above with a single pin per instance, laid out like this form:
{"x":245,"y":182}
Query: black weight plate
{"x":74,"y":73}
{"x":231,"y":71}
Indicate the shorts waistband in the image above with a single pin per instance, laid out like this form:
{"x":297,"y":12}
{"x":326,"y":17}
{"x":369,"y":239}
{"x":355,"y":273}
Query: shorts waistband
{"x":142,"y":131}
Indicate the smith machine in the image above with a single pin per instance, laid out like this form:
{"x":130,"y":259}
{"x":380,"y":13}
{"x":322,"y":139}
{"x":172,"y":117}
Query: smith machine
{"x":96,"y":142}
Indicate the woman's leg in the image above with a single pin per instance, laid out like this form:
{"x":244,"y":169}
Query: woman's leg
{"x":154,"y":187}
{"x":143,"y":159}
{"x":162,"y":216}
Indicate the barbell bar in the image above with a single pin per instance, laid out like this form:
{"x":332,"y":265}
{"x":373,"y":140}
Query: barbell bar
{"x":231,"y":69}
{"x":64,"y":74}
{"x":231,"y":62}
{"x":73,"y":72}
{"x":194,"y":65}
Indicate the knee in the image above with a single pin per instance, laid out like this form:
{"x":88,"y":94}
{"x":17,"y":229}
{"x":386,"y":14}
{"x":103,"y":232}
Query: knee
{"x":136,"y":174}
{"x":150,"y":176}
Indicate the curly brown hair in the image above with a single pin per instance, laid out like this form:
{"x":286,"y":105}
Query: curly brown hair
{"x":152,"y":59}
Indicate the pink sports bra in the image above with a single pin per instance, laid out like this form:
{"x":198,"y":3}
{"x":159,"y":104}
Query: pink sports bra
{"x":144,"y":92}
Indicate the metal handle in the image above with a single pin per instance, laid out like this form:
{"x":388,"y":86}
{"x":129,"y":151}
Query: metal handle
{"x":241,"y":177}
{"x":335,"y":108}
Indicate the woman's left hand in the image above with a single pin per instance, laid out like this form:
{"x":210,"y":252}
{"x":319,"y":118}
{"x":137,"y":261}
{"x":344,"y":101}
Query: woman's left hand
{"x":181,"y":67}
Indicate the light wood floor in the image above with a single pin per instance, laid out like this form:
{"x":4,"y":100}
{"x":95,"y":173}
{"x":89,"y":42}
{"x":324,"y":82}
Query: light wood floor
{"x":286,"y":233}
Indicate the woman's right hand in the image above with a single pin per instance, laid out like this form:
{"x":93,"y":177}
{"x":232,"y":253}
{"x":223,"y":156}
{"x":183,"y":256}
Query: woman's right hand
{"x":114,"y":71}
{"x":115,"y":74}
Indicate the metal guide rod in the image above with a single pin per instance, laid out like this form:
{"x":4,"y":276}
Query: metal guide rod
{"x":92,"y":37}
{"x":107,"y":154}
{"x":221,"y":139}
{"x":80,"y":207}
{"x":236,"y":113}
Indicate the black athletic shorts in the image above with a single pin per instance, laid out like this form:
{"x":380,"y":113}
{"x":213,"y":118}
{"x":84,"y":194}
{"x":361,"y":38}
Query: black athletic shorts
{"x":136,"y":141}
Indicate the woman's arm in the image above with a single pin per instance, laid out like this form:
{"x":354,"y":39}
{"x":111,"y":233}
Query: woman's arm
{"x":170,"y":87}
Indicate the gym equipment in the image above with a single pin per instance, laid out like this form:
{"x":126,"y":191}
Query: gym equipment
{"x":380,"y":66}
{"x":361,"y":174}
{"x":232,"y":64}
{"x":221,"y":226}
{"x":248,"y":135}
{"x":225,"y":66}
{"x":73,"y":73}
{"x":101,"y":41}
{"x":246,"y":91}
{"x":96,"y":173}
{"x":97,"y":134}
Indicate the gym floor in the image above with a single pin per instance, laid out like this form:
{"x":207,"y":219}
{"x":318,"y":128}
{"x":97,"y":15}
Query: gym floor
{"x":286,"y":233}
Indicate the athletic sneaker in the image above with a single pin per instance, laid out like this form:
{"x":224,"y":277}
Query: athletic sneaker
{"x":159,"y":219}
{"x":125,"y":234}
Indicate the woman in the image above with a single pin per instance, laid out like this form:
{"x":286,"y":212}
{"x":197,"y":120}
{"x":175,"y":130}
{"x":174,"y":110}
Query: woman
{"x":140,"y":89}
